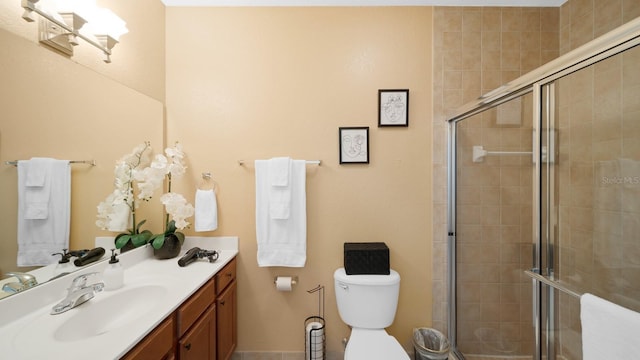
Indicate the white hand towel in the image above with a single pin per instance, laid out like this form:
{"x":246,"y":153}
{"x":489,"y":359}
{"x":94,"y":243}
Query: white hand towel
{"x":37,"y":187}
{"x":279,"y":172}
{"x":281,"y":242}
{"x":609,"y":331}
{"x":206,"y":210}
{"x":279,"y":168}
{"x":39,"y":238}
{"x":37,"y":172}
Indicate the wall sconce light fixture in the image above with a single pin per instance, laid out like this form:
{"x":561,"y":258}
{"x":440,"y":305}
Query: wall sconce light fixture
{"x":62,"y":22}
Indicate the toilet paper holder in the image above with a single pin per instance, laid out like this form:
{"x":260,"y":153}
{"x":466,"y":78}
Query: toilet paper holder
{"x":294,"y":279}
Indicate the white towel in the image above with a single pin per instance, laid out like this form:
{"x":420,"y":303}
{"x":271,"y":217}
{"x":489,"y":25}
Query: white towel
{"x":609,"y":331}
{"x":279,"y":172}
{"x":38,"y":238}
{"x":38,"y":171}
{"x":206,"y":210}
{"x":281,"y":242}
{"x":279,"y":169}
{"x":37,"y":187}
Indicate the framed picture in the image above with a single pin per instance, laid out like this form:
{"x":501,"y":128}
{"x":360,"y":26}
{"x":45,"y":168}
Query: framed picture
{"x":354,"y":145}
{"x":393,"y":107}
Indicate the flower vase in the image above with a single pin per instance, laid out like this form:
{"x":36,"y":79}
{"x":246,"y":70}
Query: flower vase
{"x":170,"y":249}
{"x":128,"y":246}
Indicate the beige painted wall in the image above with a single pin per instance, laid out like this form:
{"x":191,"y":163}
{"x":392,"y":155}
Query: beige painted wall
{"x":53,"y":107}
{"x":137,"y":61}
{"x":255,"y":83}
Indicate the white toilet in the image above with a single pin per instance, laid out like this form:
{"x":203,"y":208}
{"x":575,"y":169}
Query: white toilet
{"x":368,"y":304}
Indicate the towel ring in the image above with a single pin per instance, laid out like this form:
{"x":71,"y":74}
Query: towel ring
{"x":207,"y":182}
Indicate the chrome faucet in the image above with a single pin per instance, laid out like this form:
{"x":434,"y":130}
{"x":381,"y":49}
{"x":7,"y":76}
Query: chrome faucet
{"x":25,"y":281}
{"x":78,"y":293}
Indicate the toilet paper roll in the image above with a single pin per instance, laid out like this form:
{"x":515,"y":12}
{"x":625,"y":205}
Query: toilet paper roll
{"x":284,"y":283}
{"x":314,"y":343}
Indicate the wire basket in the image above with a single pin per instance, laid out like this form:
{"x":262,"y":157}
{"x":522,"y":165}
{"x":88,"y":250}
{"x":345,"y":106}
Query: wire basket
{"x":314,"y":330}
{"x":315,"y":338}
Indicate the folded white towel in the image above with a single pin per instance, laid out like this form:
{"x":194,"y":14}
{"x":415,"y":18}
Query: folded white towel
{"x":609,"y":331}
{"x":39,"y":237}
{"x":37,"y":172}
{"x":279,"y":168}
{"x":281,"y":242}
{"x":279,"y":172}
{"x":37,"y":187}
{"x":206,"y":210}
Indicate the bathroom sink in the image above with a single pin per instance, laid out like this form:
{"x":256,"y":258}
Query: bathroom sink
{"x":108,"y":315}
{"x":107,"y":312}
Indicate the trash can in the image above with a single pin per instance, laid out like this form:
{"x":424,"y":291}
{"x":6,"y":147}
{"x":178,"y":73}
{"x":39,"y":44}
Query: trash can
{"x":430,"y":344}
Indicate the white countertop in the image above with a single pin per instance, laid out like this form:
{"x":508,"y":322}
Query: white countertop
{"x":27,"y":329}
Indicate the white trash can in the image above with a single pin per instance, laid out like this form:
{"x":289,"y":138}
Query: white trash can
{"x":430,"y":344}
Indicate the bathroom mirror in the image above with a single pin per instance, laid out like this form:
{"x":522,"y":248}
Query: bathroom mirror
{"x":54,"y":107}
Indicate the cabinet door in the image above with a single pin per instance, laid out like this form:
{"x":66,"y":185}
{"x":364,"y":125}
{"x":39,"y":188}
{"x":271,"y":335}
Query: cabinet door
{"x":157,"y":345}
{"x":226,"y":323}
{"x":198,"y":343}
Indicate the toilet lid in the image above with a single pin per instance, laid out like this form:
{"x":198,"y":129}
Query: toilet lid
{"x":367,"y":344}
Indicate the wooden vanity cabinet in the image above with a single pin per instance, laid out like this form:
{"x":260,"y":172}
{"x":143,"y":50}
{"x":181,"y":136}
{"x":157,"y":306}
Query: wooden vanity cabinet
{"x":157,"y":345}
{"x":226,"y":306}
{"x":204,"y":327}
{"x":199,"y":342}
{"x":196,"y":325}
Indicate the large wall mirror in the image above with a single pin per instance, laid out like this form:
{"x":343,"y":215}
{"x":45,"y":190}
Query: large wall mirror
{"x":53,"y":107}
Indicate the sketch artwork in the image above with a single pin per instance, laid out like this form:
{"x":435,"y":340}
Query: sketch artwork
{"x":394,"y":108}
{"x":354,"y":145}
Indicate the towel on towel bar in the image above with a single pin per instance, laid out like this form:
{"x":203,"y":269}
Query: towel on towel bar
{"x":609,"y":331}
{"x":206,"y":210}
{"x":43,"y":225}
{"x":282,"y":240}
{"x":37,"y":188}
{"x":279,"y":172}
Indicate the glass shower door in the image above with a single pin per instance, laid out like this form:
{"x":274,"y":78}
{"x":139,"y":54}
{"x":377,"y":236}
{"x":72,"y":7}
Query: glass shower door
{"x":590,"y":191}
{"x":494,"y":172}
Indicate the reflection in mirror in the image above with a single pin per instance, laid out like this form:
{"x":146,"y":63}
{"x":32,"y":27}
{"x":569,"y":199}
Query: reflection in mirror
{"x":53,"y":107}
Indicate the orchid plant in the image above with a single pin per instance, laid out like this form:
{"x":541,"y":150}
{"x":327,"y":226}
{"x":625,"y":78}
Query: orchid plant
{"x":118,"y":210}
{"x":137,"y":177}
{"x":177,"y":209}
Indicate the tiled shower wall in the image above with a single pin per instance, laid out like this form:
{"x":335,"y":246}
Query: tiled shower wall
{"x":477,"y":50}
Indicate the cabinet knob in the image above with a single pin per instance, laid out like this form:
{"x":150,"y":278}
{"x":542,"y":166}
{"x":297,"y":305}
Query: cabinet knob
{"x":222,"y":302}
{"x":188,"y":346}
{"x":229,"y":274}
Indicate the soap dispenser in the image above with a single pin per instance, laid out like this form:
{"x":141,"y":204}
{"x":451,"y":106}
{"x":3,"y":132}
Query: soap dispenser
{"x":64,"y":265}
{"x":114,"y":274}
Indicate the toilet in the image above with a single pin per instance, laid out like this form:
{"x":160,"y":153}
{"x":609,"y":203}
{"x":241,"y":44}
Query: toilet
{"x":368,"y":304}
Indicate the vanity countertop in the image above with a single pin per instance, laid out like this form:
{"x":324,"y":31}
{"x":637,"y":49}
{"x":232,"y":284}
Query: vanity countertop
{"x":28,"y":331}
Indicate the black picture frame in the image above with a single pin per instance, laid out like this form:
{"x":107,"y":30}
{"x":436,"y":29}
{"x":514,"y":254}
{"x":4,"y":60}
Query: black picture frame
{"x":393,"y":107}
{"x":354,"y":145}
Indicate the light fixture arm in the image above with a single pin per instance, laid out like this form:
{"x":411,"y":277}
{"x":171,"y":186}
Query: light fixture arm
{"x":71,"y":28}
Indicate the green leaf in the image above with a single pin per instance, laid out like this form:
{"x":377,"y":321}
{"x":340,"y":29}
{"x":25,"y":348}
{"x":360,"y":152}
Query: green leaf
{"x":157,"y":241}
{"x":180,"y":237}
{"x":139,"y":239}
{"x":171,"y":227}
{"x":121,"y":240}
{"x":140,"y":224}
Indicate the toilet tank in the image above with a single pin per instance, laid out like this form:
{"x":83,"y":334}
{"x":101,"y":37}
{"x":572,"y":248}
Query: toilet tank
{"x":367,"y":301}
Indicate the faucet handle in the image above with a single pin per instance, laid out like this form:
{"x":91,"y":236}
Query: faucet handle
{"x":24,"y":278}
{"x":81,"y":280}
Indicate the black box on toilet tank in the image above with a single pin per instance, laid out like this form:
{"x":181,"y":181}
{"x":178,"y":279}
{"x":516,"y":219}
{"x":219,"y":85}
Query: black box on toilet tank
{"x":366,"y":258}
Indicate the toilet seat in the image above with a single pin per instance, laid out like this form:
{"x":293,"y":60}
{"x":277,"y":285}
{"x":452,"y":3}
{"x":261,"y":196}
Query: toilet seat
{"x":373,"y":344}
